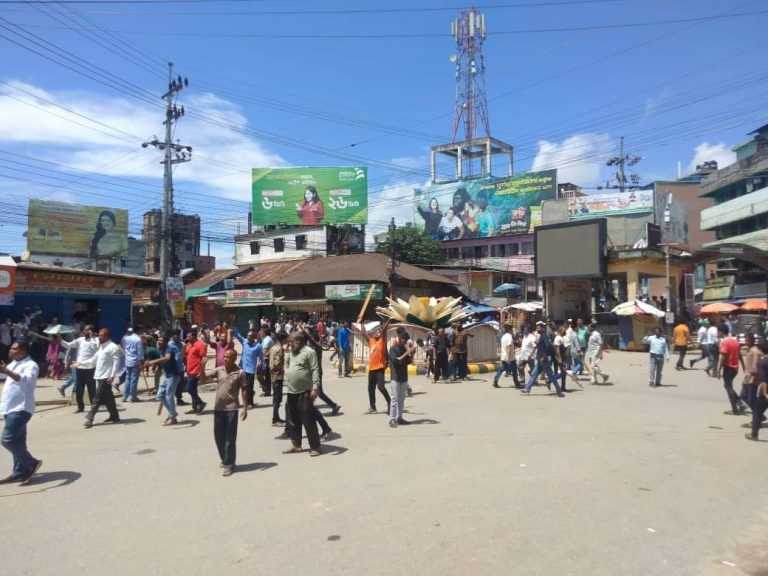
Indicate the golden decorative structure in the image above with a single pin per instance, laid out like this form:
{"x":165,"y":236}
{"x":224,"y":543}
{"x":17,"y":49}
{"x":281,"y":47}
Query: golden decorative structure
{"x":425,"y":312}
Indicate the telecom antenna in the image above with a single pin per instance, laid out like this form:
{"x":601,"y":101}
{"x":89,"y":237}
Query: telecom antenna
{"x":471,"y":103}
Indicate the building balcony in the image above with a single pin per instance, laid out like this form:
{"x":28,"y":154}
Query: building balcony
{"x":747,"y":206}
{"x":737,"y":171}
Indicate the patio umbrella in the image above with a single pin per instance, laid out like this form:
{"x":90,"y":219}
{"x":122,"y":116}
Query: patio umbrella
{"x":637,"y":307}
{"x":718,"y":308}
{"x":505,"y":287}
{"x":754,"y":306}
{"x":527,"y":306}
{"x":60,"y":329}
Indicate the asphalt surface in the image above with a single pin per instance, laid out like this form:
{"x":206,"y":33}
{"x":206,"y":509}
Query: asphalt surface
{"x":612,"y":480}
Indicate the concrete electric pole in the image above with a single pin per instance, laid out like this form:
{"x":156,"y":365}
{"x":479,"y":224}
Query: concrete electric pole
{"x":174,"y":153}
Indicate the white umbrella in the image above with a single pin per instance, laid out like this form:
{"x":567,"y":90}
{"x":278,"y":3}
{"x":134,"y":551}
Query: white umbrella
{"x":60,"y":329}
{"x":526,"y":306}
{"x":634,"y":307}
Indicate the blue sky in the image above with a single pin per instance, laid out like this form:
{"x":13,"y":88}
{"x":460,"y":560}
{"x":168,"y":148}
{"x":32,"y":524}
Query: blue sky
{"x":337,"y":82}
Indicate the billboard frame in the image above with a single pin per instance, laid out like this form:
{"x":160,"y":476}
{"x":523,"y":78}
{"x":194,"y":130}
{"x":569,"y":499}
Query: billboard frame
{"x":602,"y":235}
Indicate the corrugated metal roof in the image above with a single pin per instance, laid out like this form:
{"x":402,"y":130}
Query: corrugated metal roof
{"x":268,"y":272}
{"x":68,"y":270}
{"x":213,"y":277}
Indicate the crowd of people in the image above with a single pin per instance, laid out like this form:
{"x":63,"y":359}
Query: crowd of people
{"x":284,"y":359}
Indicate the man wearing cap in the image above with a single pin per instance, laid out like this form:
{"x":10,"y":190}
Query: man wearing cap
{"x":133,"y":348}
{"x":400,"y":356}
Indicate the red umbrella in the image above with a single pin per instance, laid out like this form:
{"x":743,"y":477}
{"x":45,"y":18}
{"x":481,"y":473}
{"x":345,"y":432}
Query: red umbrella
{"x":754,"y":306}
{"x":718,"y":308}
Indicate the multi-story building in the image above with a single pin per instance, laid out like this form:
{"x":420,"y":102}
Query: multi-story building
{"x":277,"y":243}
{"x":740,"y":213}
{"x":185,"y":235}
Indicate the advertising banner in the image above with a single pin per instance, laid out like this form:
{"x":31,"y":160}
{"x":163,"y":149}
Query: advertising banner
{"x":60,"y":282}
{"x":249,"y":295}
{"x":484,"y":207}
{"x":310,"y":196}
{"x":352,"y":291}
{"x":614,"y":204}
{"x":174,"y":287}
{"x":76,"y":230}
{"x":7,"y":280}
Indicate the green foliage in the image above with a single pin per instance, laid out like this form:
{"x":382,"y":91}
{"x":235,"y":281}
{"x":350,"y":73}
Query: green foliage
{"x":414,"y":246}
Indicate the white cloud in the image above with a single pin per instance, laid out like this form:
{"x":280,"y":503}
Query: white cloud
{"x":222,"y":157}
{"x":705,"y":152}
{"x":578,"y":159}
{"x":395,"y":200}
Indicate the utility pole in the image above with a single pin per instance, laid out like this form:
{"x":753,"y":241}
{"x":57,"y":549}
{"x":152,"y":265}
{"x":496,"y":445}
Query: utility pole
{"x":174,"y":153}
{"x":392,"y":259}
{"x":621,"y":161}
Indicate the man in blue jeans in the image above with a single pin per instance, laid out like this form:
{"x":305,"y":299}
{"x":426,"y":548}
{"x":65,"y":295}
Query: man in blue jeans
{"x":18,"y":405}
{"x":133,"y":348}
{"x":508,"y":363}
{"x":173,"y":367}
{"x":545,"y":351}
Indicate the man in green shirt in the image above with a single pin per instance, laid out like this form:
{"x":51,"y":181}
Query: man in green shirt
{"x":302,"y":380}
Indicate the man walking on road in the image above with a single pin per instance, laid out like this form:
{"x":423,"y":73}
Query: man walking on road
{"x":196,"y":353}
{"x":343,"y":340}
{"x":657,"y":346}
{"x":173,"y":369}
{"x":107,"y":365}
{"x":87,"y":346}
{"x":594,"y":355}
{"x":701,"y":337}
{"x":302,"y":378}
{"x":545,"y":352}
{"x":508,"y":363}
{"x":681,"y":335}
{"x":252,"y":359}
{"x":133,"y":348}
{"x":17,"y":406}
{"x":377,"y":364}
{"x":230,"y":381}
{"x":728,"y":367}
{"x":400,"y":357}
{"x":277,"y":374}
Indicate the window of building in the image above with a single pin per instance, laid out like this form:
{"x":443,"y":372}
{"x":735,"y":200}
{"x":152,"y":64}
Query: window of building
{"x":498,"y":250}
{"x":188,"y":264}
{"x":481,"y":251}
{"x":255,"y":247}
{"x":188,"y":246}
{"x":526,"y":248}
{"x":467,"y":252}
{"x":301,"y":242}
{"x":513,"y":249}
{"x":279,"y":245}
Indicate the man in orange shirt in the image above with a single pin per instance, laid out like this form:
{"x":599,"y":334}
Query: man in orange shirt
{"x":730,"y":358}
{"x":377,"y":364}
{"x":681,"y":336}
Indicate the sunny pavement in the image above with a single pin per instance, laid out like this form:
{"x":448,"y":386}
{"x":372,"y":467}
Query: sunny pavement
{"x":612,"y":480}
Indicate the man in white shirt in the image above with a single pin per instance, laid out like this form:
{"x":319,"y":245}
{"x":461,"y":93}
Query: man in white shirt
{"x":594,"y":355}
{"x":17,"y":406}
{"x":6,"y":332}
{"x":508,"y":362}
{"x":107,"y":365}
{"x":87,"y":346}
{"x":713,"y":341}
{"x":525,"y":354}
{"x":701,"y":337}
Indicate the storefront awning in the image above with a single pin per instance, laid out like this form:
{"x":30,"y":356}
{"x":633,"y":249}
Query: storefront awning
{"x":248,"y":304}
{"x":309,"y":301}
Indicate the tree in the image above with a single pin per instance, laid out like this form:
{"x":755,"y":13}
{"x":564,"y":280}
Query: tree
{"x":414,"y":246}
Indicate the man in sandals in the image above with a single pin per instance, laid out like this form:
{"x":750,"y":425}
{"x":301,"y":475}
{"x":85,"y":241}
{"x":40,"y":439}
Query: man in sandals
{"x":302,"y":380}
{"x":230,"y":380}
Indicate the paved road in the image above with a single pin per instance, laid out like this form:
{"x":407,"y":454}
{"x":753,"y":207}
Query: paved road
{"x":612,"y":480}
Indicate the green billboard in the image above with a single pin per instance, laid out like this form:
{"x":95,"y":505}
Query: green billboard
{"x":310,"y":195}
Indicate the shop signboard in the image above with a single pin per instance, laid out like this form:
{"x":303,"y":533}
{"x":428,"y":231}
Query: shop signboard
{"x":309,"y":196}
{"x":64,"y":283}
{"x":484,"y":207}
{"x":75,"y":230}
{"x":250,"y":296}
{"x":7,"y":280}
{"x":352,"y":291}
